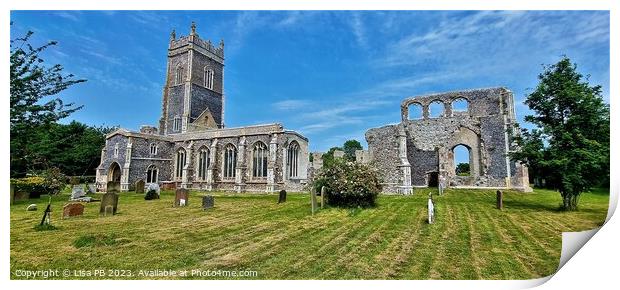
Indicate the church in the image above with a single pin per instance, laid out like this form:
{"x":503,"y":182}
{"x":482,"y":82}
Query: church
{"x":191,"y":148}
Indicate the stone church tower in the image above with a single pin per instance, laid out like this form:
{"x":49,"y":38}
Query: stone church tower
{"x":193,"y":97}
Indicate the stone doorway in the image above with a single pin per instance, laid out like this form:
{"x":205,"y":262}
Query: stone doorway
{"x":433,"y":179}
{"x":114,"y":173}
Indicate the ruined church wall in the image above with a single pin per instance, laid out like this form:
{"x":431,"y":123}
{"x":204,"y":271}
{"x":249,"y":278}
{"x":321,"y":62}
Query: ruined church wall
{"x":383,"y":147}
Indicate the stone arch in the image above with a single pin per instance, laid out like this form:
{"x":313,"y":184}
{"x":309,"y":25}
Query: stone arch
{"x":417,"y":113}
{"x":471,"y":140}
{"x":436,"y":109}
{"x":460,"y":105}
{"x":114,"y":172}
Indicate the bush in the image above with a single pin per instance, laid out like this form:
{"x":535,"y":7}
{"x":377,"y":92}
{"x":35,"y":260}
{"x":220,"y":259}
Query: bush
{"x":348,"y":184}
{"x":151,"y":194}
{"x":50,"y":181}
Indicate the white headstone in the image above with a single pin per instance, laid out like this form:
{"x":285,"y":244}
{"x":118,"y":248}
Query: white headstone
{"x":431,"y":210}
{"x":77,"y":192}
{"x":181,"y":202}
{"x":153,"y":186}
{"x":92,"y":188}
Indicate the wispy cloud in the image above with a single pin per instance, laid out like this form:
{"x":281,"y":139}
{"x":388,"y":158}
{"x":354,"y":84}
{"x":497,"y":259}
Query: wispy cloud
{"x":288,"y":105}
{"x":71,"y":15}
{"x":357,"y":25}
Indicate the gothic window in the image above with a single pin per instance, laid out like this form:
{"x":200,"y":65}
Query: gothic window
{"x":259,"y":160}
{"x":176,"y":126}
{"x":208,"y":77}
{"x":151,"y":174}
{"x":180,"y":163}
{"x":203,"y":163}
{"x":116,"y":150}
{"x":230,"y":161}
{"x":292,"y":161}
{"x":179,"y":75}
{"x":153,"y":149}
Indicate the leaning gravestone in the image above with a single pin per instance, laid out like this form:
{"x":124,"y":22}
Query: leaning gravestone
{"x":140,"y":186}
{"x":109,"y":203}
{"x":207,"y":202}
{"x":113,"y":186}
{"x":91,"y":188}
{"x":32,"y":207}
{"x":282,"y":196}
{"x":153,"y":186}
{"x":181,"y":197}
{"x":77,"y":192}
{"x":72,"y":209}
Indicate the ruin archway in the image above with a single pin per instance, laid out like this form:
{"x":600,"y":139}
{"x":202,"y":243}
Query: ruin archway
{"x":114,"y":172}
{"x":462,"y":160}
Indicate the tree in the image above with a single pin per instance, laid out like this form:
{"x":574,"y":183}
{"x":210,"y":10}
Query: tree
{"x":570,"y":147}
{"x":349,"y":148}
{"x":31,"y":83}
{"x":462,"y":169}
{"x":328,"y":157}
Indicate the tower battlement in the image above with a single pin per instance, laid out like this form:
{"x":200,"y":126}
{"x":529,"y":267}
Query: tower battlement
{"x":193,"y":41}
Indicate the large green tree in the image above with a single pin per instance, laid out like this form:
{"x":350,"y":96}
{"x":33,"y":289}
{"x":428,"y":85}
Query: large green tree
{"x":570,"y":146}
{"x":33,"y":101}
{"x":349,"y":148}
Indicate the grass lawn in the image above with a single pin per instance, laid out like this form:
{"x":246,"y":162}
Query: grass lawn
{"x":470,"y":239}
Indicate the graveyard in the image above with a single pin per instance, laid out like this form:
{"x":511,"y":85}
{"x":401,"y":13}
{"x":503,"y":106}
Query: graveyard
{"x":281,"y":239}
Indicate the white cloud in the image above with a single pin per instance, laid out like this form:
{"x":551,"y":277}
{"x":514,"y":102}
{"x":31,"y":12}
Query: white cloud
{"x":288,"y":105}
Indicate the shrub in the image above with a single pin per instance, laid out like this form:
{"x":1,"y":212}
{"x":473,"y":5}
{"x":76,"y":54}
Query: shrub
{"x":151,"y":194}
{"x":33,"y":185}
{"x":54,"y":180}
{"x":348,"y":184}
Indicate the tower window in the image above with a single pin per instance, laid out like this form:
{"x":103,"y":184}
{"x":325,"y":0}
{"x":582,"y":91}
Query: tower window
{"x":203,"y":163}
{"x":293,"y":159}
{"x":180,"y":163}
{"x":116,"y":150}
{"x":179,"y":75}
{"x":230,"y":161}
{"x":151,"y":174}
{"x":176,"y":126}
{"x":259,"y":160}
{"x":153,"y":149}
{"x":208,"y":77}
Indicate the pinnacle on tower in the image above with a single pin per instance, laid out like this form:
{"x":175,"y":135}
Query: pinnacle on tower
{"x":193,"y":27}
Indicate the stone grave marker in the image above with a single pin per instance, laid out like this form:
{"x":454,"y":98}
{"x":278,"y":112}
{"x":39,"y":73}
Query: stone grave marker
{"x":322,"y":196}
{"x":91,"y":188}
{"x":208,"y":202}
{"x":140,"y":186}
{"x":431,"y":209}
{"x":500,"y":199}
{"x":181,"y":197}
{"x":153,"y":186}
{"x":113,"y":186}
{"x":72,"y":209}
{"x":77,"y":192}
{"x":109,"y":204}
{"x":282,"y":196}
{"x":32,"y":207}
{"x":313,"y":199}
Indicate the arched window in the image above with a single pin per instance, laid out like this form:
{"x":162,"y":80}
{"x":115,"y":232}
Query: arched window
{"x":180,"y":163}
{"x":116,"y":150}
{"x":152,"y":174}
{"x":230,"y":161}
{"x":415,"y":111}
{"x":461,"y":160}
{"x":176,"y":126}
{"x":179,"y":75}
{"x":203,"y":163}
{"x":153,"y":149}
{"x":259,"y":160}
{"x":460,"y":105}
{"x":435,"y":109}
{"x":292,"y":161}
{"x":208,"y":78}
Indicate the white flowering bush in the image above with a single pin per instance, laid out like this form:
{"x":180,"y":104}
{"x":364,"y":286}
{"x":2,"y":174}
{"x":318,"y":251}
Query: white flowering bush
{"x":348,"y":184}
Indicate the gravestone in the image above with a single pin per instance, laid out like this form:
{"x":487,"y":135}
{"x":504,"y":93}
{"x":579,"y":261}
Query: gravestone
{"x":32,"y":207}
{"x":282,"y":196}
{"x":322,"y":196}
{"x":181,"y":197}
{"x":91,"y":188}
{"x":140,"y":186}
{"x":113,"y":186}
{"x":72,"y":209}
{"x":109,"y":203}
{"x":313,"y":199}
{"x":208,"y":202}
{"x":153,"y":186}
{"x":77,"y":192}
{"x":500,"y":199}
{"x":431,"y":209}
{"x":442,"y":183}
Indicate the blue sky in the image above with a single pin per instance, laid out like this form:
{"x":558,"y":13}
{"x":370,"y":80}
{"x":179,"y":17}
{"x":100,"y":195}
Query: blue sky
{"x":328,"y":75}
